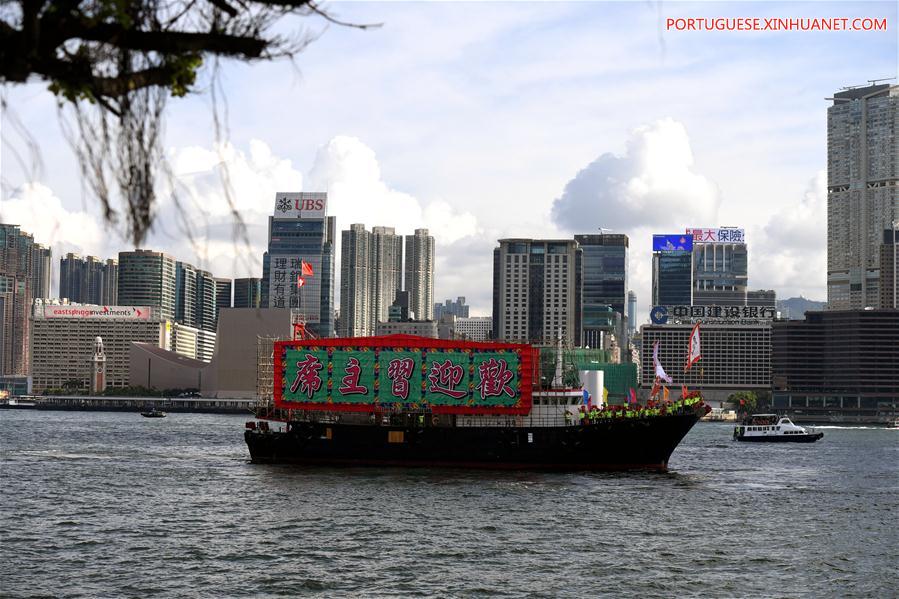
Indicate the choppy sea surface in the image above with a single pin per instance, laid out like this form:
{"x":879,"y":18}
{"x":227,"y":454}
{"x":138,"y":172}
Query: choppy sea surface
{"x":112,"y":504}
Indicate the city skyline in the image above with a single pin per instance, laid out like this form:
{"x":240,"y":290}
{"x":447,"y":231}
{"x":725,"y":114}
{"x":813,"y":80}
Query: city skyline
{"x":628,"y":107}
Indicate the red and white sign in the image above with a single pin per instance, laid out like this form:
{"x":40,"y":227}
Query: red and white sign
{"x":291,"y":206}
{"x":694,"y":352}
{"x":97,"y":312}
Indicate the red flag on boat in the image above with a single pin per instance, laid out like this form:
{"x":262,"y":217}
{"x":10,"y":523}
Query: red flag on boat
{"x":633,"y":395}
{"x":683,"y":390}
{"x":306,"y":269}
{"x":693,"y":350}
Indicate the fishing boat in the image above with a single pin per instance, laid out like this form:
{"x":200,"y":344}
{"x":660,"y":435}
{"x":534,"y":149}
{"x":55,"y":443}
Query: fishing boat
{"x":401,"y":400}
{"x":771,"y":428}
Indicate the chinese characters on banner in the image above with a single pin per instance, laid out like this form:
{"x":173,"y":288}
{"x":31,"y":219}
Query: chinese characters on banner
{"x":414,"y":377}
{"x":285,"y":290}
{"x":718,"y":235}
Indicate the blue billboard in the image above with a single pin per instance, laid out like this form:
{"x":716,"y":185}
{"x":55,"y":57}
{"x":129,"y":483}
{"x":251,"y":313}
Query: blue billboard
{"x":671,"y":243}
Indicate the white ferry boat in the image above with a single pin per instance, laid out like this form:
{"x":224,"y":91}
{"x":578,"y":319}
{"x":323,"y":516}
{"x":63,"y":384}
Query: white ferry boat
{"x":773,"y":429}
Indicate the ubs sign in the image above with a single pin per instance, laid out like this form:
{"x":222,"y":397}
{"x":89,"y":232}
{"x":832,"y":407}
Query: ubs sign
{"x":712,"y":314}
{"x":301,"y":205}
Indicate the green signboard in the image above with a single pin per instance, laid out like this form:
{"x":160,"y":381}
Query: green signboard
{"x":463,"y":378}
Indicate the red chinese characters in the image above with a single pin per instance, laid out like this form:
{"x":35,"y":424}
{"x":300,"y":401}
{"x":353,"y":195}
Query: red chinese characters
{"x":399,"y":371}
{"x":307,"y":379}
{"x":444,"y":377}
{"x":349,"y":385}
{"x":495,"y":377}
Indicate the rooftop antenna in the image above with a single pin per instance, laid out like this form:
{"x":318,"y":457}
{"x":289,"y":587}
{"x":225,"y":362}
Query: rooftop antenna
{"x":603,"y":230}
{"x":875,"y":81}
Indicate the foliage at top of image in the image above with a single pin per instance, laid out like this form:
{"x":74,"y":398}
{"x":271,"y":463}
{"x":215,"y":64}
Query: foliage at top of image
{"x":115,"y":62}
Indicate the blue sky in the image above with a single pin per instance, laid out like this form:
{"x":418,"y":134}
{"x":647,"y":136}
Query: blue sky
{"x":471,"y":119}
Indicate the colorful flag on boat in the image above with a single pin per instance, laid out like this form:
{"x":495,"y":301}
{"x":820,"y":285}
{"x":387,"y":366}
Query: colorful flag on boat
{"x":665,"y":395}
{"x":660,"y":372}
{"x":693,"y":349}
{"x":632,"y":394}
{"x":300,"y":282}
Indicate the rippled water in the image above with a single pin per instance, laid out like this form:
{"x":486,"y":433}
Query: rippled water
{"x":110,"y":504}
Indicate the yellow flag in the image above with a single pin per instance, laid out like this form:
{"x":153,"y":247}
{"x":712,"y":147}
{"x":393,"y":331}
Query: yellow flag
{"x":665,"y":393}
{"x":605,"y":395}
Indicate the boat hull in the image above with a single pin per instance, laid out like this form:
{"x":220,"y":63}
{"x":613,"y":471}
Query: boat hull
{"x":619,"y":444}
{"x":781,"y":438}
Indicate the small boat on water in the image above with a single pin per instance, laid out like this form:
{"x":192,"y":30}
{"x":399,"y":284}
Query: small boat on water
{"x":154,"y":413}
{"x":771,"y":428}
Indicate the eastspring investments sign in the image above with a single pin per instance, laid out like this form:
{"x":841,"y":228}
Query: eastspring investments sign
{"x":92,"y":312}
{"x":712,"y":314}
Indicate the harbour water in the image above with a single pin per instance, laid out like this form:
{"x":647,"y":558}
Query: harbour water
{"x":112,"y":504}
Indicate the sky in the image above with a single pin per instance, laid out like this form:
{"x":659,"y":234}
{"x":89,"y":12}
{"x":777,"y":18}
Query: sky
{"x":486,"y":120}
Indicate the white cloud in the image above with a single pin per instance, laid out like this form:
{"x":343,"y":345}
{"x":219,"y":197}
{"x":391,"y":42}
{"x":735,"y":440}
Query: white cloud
{"x":651,"y":188}
{"x":652,"y":181}
{"x":789,"y":252}
{"x":40,"y":212}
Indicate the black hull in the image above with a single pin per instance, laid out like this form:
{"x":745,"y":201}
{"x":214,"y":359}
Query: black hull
{"x":620,"y":444}
{"x":782,"y":438}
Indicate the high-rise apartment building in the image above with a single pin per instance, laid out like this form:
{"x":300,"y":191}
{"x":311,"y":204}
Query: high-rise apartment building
{"x":355,"y":282}
{"x":41,"y":265}
{"x":862,"y":191}
{"x":148,"y":278}
{"x":300,"y":231}
{"x":88,"y":280}
{"x":537,"y":290}
{"x":371,"y":273}
{"x":419,"y":274}
{"x":206,"y":301}
{"x":247,"y":292}
{"x":110,"y":292}
{"x":387,"y":267}
{"x":457,"y":308}
{"x":16,"y":279}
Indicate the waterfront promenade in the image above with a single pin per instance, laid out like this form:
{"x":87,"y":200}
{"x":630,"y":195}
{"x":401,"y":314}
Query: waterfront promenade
{"x":132,"y":404}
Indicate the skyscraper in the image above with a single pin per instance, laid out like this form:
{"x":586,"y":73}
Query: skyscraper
{"x":604,"y":260}
{"x":889,"y":269}
{"x":862,"y":191}
{"x":419,"y":276}
{"x":300,"y":231}
{"x":631,"y":313}
{"x":222,"y":295}
{"x":387,"y":267}
{"x":185,"y":294}
{"x":371,"y":272}
{"x":16,"y":276}
{"x":720,"y":269}
{"x":147,"y":278}
{"x":247,"y":293}
{"x":88,"y":280}
{"x":110,"y":282}
{"x":537,"y":290}
{"x":41,"y":265}
{"x":457,"y":308}
{"x":672,"y":278}
{"x":355,"y":283}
